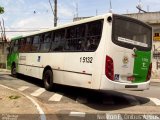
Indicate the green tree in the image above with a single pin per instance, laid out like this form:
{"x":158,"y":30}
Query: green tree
{"x":1,"y":10}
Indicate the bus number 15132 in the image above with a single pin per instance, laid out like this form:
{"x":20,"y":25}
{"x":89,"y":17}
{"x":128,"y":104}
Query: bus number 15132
{"x":86,"y":59}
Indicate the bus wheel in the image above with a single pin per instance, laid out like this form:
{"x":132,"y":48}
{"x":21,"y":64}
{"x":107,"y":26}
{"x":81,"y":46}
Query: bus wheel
{"x":48,"y":80}
{"x":13,"y":71}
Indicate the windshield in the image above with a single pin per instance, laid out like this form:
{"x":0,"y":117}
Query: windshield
{"x":131,"y":33}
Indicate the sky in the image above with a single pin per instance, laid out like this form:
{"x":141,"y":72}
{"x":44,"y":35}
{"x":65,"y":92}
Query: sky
{"x":29,"y":15}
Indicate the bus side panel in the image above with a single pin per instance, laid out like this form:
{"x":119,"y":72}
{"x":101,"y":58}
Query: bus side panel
{"x":22,"y":63}
{"x":99,"y":59}
{"x":34,"y":62}
{"x":78,"y":69}
{"x":55,"y":61}
{"x":107,"y":34}
{"x":29,"y":65}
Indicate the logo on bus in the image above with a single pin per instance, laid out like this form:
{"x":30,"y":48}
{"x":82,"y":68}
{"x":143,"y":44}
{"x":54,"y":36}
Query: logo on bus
{"x":39,"y":59}
{"x":125,"y":60}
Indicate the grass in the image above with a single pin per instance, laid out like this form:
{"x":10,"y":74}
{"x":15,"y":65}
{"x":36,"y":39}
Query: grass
{"x":13,"y":97}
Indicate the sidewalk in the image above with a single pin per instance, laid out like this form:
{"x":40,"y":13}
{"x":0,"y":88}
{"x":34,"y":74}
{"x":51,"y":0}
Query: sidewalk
{"x":14,"y":105}
{"x":4,"y":70}
{"x":155,"y":80}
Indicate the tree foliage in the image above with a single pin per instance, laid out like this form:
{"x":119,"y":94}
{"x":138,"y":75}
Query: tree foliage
{"x":1,"y":10}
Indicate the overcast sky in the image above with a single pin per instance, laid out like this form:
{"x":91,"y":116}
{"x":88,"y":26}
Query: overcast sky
{"x":37,"y":14}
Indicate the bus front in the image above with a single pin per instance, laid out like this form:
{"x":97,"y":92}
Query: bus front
{"x":128,"y":62}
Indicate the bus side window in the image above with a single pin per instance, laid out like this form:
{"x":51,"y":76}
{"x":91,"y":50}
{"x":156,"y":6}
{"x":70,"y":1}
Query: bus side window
{"x":91,"y":44}
{"x":75,"y":38}
{"x":70,"y":39}
{"x":58,"y":41}
{"x":36,"y":43}
{"x":94,"y":33}
{"x":22,"y":43}
{"x":15,"y":48}
{"x":11,"y":46}
{"x":28,"y":45}
{"x":81,"y":37}
{"x":45,"y":42}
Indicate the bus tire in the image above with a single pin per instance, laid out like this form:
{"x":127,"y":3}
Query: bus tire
{"x":48,"y":80}
{"x":13,"y":71}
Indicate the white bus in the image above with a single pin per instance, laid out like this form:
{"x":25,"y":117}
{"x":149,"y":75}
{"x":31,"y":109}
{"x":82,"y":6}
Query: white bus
{"x":106,"y":52}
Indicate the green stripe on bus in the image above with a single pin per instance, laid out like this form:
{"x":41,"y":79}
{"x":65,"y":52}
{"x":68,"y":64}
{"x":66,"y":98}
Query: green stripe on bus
{"x":141,"y":65}
{"x":15,"y":38}
{"x":13,"y":57}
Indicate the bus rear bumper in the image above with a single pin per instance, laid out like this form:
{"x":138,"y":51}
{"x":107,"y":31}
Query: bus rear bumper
{"x":107,"y":84}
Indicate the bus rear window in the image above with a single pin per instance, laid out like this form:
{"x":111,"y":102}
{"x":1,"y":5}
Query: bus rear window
{"x":130,"y":33}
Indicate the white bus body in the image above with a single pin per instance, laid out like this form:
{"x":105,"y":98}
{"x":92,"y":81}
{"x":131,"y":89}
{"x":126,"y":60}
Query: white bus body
{"x":87,"y":69}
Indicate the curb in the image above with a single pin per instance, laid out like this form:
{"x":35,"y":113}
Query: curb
{"x":155,"y":80}
{"x":4,"y":70}
{"x":41,"y":112}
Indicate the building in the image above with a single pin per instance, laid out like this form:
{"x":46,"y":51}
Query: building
{"x":3,"y":53}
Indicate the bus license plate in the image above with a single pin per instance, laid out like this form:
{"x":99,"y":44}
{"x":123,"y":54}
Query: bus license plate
{"x":131,"y":78}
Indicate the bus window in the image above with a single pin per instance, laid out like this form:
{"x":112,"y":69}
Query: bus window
{"x":75,"y":38}
{"x":134,"y":34}
{"x":11,"y":46}
{"x":71,"y":39}
{"x":91,"y":44}
{"x":35,"y":45}
{"x":28,"y":44}
{"x":45,"y":42}
{"x":15,"y":48}
{"x":94,"y":34}
{"x":81,"y":30}
{"x":22,"y":43}
{"x":58,"y":41}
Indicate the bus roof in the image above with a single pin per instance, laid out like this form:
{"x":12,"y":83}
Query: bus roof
{"x":66,"y":25}
{"x":17,"y":37}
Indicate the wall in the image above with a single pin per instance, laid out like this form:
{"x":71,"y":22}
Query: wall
{"x":3,"y":54}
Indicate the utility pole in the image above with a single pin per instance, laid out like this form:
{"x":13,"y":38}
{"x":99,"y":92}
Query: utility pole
{"x":55,"y":13}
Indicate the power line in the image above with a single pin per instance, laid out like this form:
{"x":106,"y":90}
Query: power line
{"x":24,"y":28}
{"x":139,"y":7}
{"x":21,"y":31}
{"x":51,"y":6}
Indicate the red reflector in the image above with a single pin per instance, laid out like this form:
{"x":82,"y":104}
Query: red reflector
{"x":131,"y":78}
{"x":109,"y":70}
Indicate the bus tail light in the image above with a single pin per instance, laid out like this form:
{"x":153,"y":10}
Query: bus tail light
{"x":109,"y":68}
{"x":149,"y":72}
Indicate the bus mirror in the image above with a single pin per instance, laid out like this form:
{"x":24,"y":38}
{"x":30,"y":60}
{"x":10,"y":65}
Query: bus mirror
{"x":109,"y":19}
